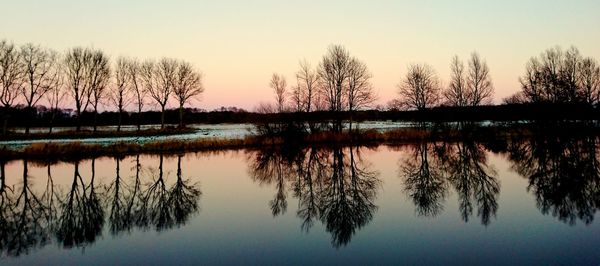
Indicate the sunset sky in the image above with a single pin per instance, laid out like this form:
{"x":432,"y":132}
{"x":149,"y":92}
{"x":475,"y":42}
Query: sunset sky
{"x":239,"y":44}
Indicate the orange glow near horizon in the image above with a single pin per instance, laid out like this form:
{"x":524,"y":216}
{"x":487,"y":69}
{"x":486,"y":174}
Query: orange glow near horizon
{"x":238,"y":45}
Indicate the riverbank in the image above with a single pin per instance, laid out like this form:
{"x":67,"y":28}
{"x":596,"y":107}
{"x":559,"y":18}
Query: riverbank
{"x":76,"y":150}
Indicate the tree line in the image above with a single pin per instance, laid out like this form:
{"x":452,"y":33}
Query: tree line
{"x":342,"y":83}
{"x":88,"y":79}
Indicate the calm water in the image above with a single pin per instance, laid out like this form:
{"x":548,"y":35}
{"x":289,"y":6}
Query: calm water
{"x":434,"y":203}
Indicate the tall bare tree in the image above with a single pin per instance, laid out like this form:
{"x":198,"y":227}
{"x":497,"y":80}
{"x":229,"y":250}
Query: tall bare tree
{"x":55,"y":97}
{"x":119,"y":93}
{"x":333,"y":73}
{"x":159,"y":79}
{"x":457,"y":94}
{"x":479,"y":81}
{"x":420,"y":88}
{"x":589,"y":80}
{"x":41,"y":74}
{"x":188,"y":84}
{"x":297,"y":98}
{"x":134,"y":72}
{"x":99,"y":76}
{"x":11,"y":78}
{"x":307,"y":86}
{"x":76,"y":66}
{"x":360,"y":91}
{"x":278,"y":84}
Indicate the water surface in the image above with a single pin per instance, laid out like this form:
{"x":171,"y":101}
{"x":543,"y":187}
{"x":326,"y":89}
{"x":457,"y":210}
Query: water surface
{"x":529,"y":202}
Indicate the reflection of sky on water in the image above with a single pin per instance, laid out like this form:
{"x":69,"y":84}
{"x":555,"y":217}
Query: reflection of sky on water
{"x":235,"y":223}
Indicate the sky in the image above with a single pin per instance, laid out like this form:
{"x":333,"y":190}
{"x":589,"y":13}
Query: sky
{"x":238,"y":44}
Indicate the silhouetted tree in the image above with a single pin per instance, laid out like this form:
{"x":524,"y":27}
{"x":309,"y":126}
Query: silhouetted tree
{"x":557,"y":76}
{"x":135,"y":76}
{"x":588,"y":80}
{"x":11,"y":78}
{"x":159,"y":81}
{"x":333,"y":73}
{"x":360,"y":92}
{"x":188,"y":84}
{"x":457,"y":94}
{"x":77,"y":67}
{"x":478,"y":81}
{"x":41,"y":74}
{"x":420,"y":88}
{"x":119,"y":93}
{"x":55,"y":96}
{"x":99,"y":76}
{"x":306,"y":88}
{"x":278,"y":84}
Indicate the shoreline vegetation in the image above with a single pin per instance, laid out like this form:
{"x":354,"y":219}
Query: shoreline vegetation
{"x":74,"y":151}
{"x":83,"y":134}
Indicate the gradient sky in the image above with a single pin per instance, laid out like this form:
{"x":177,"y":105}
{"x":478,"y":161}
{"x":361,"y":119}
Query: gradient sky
{"x":239,"y":44}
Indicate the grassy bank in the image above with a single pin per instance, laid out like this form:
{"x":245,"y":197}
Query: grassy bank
{"x":76,"y":150}
{"x":98,"y":134}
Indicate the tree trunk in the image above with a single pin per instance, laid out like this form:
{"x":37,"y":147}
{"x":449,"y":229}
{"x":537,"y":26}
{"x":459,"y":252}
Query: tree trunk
{"x":180,"y":116}
{"x":119,"y":125}
{"x":139,"y":119}
{"x":5,"y":125}
{"x":78,"y":121}
{"x":51,"y":122}
{"x":162,"y":117}
{"x":95,"y":119}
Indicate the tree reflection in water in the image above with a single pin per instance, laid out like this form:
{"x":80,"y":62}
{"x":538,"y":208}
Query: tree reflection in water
{"x":335,"y":186}
{"x":423,"y":180}
{"x":430,"y":168}
{"x":76,"y":216}
{"x":563,"y":171}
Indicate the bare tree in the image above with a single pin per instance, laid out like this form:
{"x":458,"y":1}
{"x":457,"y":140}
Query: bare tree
{"x":41,"y":74}
{"x":531,"y":83}
{"x":297,"y":98}
{"x":479,"y":82}
{"x":360,"y":91}
{"x":457,"y":94}
{"x":188,"y":84}
{"x":307,"y":80}
{"x":333,"y":73}
{"x":119,"y":93}
{"x":516,"y":98}
{"x":54,"y":97}
{"x":11,"y":77}
{"x":555,"y":76}
{"x":76,"y":65}
{"x":278,"y":84}
{"x":420,"y":88}
{"x":99,"y":76}
{"x":159,"y":79}
{"x":134,"y":72}
{"x":569,"y":74}
{"x":589,"y":80}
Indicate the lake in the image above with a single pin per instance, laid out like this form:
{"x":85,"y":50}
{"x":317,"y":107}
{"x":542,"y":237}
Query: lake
{"x":522,"y":202}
